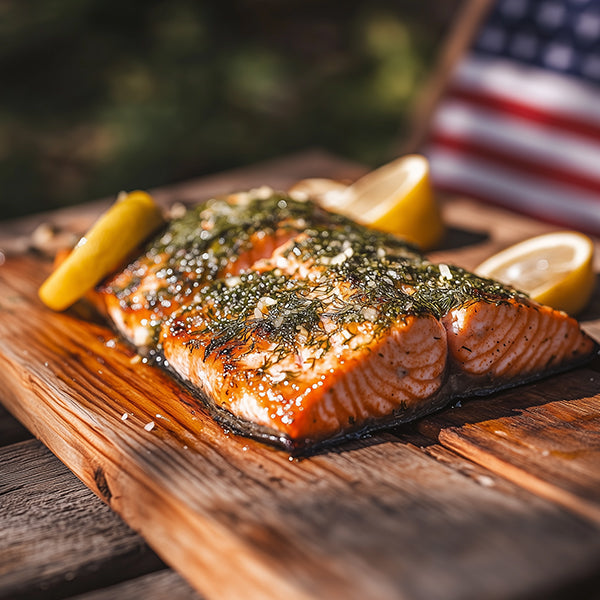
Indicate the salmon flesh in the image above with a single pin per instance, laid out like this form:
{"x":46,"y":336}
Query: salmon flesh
{"x":303,"y":328}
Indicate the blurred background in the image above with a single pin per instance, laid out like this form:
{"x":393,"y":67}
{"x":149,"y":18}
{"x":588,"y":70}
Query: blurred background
{"x":103,"y":95}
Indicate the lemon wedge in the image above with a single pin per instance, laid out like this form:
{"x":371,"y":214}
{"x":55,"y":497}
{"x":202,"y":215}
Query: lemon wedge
{"x":397,"y":198}
{"x":127,"y":223}
{"x":555,"y":269}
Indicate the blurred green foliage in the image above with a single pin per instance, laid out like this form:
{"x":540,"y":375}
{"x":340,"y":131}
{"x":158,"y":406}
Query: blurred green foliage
{"x":103,"y":95}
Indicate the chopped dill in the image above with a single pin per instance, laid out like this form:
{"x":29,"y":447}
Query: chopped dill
{"x":378,"y":283}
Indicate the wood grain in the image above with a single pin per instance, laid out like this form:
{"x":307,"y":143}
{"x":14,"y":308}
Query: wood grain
{"x":56,"y":557}
{"x":546,"y":440}
{"x":376,"y":519}
{"x":56,"y":538}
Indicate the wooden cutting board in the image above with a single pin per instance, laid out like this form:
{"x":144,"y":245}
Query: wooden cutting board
{"x":499,"y":497}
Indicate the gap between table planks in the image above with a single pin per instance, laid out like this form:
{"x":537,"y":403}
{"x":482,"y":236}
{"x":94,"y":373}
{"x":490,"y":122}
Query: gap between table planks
{"x":58,"y":539}
{"x":381,"y":518}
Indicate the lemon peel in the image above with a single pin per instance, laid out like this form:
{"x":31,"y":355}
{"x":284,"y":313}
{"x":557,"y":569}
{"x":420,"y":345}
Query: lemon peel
{"x":555,"y":269}
{"x":126,"y":224}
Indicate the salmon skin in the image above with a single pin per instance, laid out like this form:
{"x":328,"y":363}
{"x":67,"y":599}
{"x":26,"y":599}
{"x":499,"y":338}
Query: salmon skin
{"x":309,"y":328}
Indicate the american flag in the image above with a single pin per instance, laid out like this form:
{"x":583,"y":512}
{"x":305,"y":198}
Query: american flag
{"x":519,"y":124}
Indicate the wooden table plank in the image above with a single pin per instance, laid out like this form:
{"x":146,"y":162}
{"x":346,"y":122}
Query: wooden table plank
{"x":20,"y":467}
{"x":30,"y":459}
{"x":57,"y":538}
{"x":547,"y":441}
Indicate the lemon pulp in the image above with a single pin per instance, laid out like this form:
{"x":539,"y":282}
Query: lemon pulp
{"x":397,"y":197}
{"x":129,"y":221}
{"x":554,"y":269}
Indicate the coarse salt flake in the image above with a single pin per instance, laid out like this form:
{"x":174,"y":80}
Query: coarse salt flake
{"x":149,"y":426}
{"x":232,"y":281}
{"x":281,"y":262}
{"x":485,"y":481}
{"x":370,"y":313}
{"x":338,"y":259}
{"x":445,"y":271}
{"x":264,"y":302}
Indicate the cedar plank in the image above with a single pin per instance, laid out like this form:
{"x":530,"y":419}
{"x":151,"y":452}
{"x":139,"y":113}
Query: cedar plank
{"x":544,"y":436}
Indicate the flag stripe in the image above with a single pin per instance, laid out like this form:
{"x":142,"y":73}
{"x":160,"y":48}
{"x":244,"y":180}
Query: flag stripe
{"x":519,"y":137}
{"x":515,"y":190}
{"x":578,"y":222}
{"x":534,"y":167}
{"x":526,"y":111}
{"x":553,"y":92}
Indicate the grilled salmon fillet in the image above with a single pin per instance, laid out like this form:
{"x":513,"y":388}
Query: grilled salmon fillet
{"x":302,"y":328}
{"x":306,"y":379}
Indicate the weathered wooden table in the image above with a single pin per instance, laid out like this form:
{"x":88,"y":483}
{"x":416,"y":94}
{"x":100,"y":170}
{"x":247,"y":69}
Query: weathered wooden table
{"x":496,"y":498}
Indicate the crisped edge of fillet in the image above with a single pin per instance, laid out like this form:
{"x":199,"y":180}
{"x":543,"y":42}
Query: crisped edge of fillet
{"x":402,"y":416}
{"x":510,"y":326}
{"x":303,"y":447}
{"x":499,"y":385}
